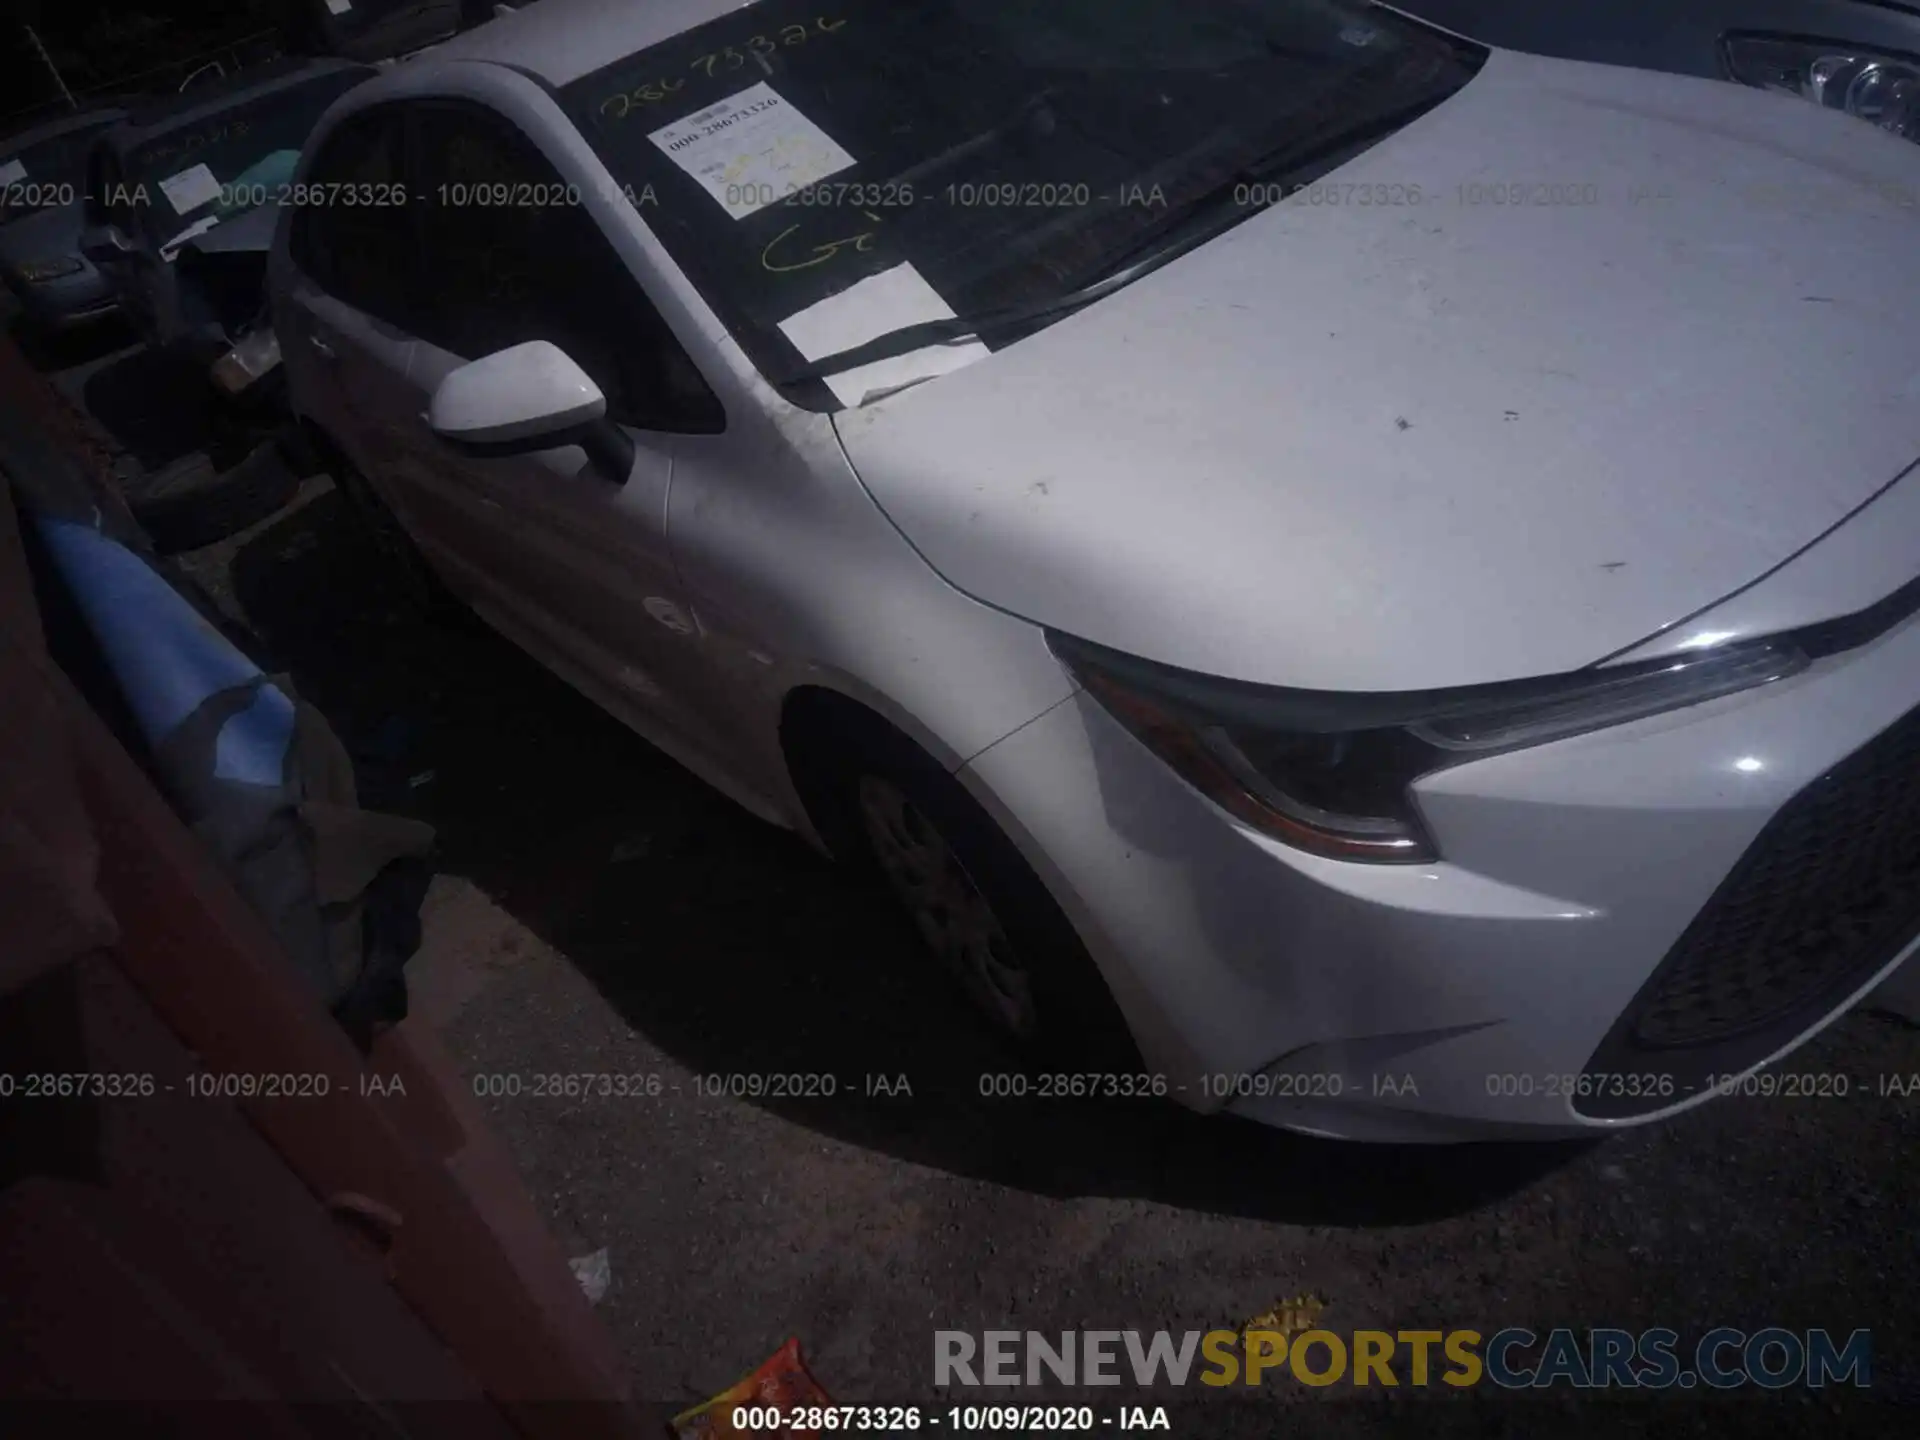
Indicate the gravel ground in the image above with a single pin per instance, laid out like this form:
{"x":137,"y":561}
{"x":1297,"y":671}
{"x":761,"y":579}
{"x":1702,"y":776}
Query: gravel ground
{"x":601,"y":911}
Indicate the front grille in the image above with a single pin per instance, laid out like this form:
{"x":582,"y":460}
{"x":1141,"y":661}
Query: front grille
{"x":1827,"y":894}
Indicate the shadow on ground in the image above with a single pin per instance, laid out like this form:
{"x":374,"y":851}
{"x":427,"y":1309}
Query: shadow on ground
{"x":729,"y":944}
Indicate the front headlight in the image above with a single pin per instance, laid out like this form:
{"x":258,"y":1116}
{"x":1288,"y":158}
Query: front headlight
{"x":36,"y":271}
{"x":1332,"y":773}
{"x":1879,"y":87}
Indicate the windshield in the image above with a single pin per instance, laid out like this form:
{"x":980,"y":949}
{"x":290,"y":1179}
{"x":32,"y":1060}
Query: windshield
{"x":964,"y":156}
{"x":221,"y":164}
{"x":50,"y":173}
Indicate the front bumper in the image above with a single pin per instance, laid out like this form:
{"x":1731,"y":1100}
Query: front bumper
{"x":1464,"y":999}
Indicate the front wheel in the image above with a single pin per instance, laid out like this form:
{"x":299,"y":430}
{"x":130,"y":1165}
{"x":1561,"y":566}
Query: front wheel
{"x":984,"y":915}
{"x":955,"y":918}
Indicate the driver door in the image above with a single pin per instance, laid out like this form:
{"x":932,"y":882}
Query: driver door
{"x":572,"y":562}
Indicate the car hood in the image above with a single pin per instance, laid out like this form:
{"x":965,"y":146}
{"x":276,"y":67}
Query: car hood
{"x":1379,"y":445}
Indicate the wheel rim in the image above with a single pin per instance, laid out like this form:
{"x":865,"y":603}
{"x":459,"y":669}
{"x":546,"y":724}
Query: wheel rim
{"x":952,"y":915}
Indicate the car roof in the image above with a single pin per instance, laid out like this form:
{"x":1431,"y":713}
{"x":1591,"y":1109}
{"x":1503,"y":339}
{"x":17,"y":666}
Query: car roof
{"x":561,"y":40}
{"x":216,"y":97}
{"x":54,"y":129}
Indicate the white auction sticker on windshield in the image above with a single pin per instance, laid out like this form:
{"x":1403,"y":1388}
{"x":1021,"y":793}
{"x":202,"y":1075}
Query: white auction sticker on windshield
{"x":190,"y":189}
{"x":751,"y":149}
{"x":13,"y":172}
{"x":865,"y":310}
{"x":199,"y":227}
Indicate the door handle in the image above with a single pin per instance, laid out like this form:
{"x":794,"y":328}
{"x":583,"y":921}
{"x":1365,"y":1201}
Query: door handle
{"x":320,"y":346}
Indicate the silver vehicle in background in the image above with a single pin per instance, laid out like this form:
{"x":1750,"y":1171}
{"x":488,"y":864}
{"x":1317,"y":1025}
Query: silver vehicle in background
{"x":43,"y":178}
{"x":1860,"y":57}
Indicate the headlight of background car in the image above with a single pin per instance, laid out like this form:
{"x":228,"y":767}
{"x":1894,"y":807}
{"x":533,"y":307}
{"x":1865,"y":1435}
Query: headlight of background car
{"x":1876,"y":86}
{"x":1332,"y":773}
{"x":35,"y":271}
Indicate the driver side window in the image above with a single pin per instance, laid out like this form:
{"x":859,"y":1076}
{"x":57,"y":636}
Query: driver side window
{"x":361,"y":253}
{"x":509,"y":257}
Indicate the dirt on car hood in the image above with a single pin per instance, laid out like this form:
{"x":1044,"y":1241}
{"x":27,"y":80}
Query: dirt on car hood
{"x":1569,"y":358}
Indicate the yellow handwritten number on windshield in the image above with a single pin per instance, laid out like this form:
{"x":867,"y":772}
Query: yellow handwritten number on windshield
{"x":623,"y":103}
{"x":861,"y":244}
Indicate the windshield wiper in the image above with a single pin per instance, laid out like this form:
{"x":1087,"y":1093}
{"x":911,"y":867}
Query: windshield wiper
{"x":1207,"y":214}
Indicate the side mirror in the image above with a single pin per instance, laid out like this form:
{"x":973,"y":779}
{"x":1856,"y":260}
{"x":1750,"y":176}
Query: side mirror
{"x":525,"y":398}
{"x":104,"y":243}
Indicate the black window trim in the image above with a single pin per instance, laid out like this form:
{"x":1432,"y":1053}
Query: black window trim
{"x":383,"y":111}
{"x":405,"y":114}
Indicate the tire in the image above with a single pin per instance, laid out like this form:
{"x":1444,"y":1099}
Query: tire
{"x":303,"y":456}
{"x":189,"y":503}
{"x":874,"y":795}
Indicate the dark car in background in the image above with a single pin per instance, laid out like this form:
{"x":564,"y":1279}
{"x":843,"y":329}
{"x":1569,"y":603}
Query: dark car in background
{"x":210,"y":166}
{"x":43,"y":175}
{"x":1858,"y":56}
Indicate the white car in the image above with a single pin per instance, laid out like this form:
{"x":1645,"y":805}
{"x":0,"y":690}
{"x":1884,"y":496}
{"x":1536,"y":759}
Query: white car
{"x":1343,"y":575}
